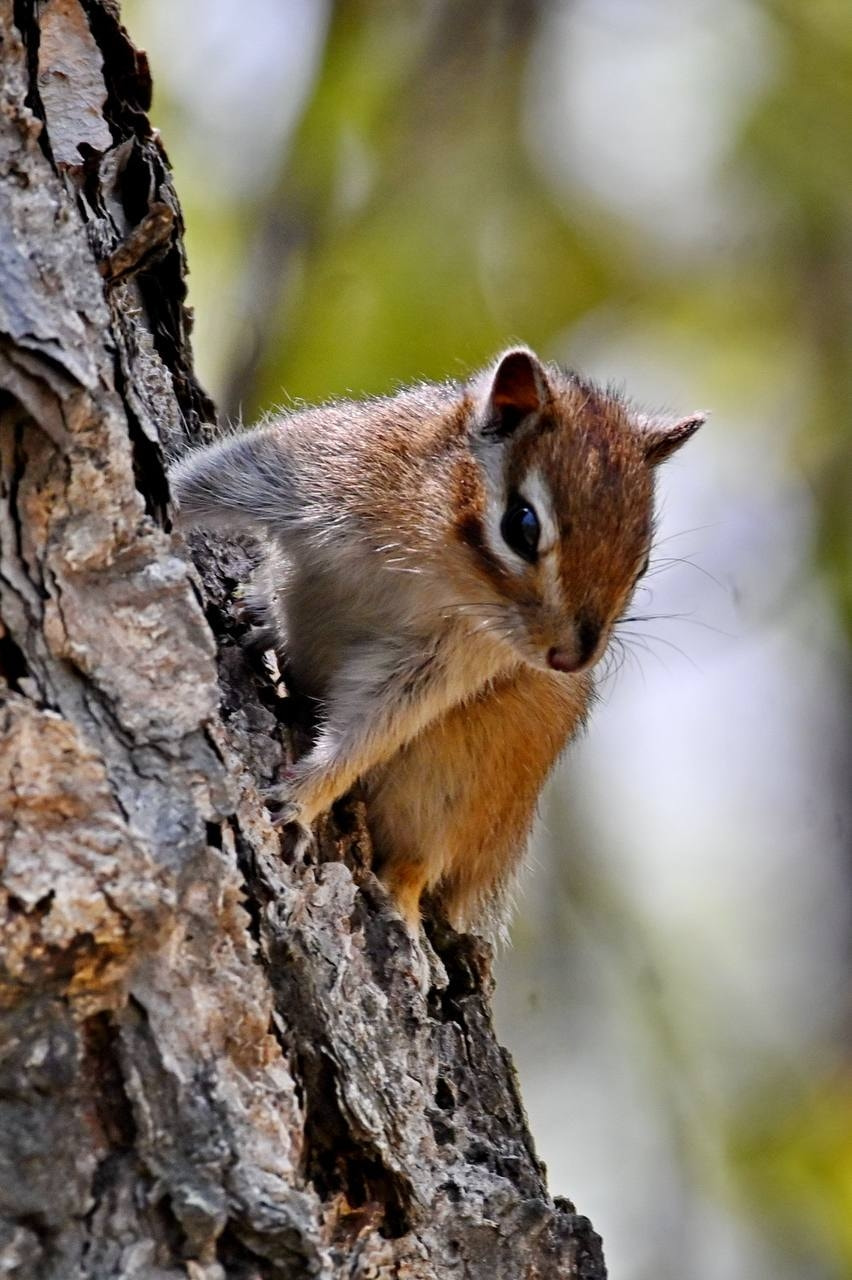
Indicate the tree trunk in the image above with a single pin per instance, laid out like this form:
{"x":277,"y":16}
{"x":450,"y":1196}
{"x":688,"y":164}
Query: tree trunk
{"x":215,"y":1061}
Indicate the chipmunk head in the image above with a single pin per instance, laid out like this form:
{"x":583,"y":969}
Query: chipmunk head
{"x":562,"y":526}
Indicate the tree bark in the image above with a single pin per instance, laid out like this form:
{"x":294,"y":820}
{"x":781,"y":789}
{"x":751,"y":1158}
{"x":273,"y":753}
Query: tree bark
{"x":215,"y":1060}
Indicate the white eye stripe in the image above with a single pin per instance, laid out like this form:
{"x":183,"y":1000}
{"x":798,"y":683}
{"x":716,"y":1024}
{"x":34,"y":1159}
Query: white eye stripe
{"x":495,"y":508}
{"x":535,"y":490}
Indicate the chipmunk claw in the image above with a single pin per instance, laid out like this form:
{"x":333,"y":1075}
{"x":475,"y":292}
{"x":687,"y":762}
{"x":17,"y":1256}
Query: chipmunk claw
{"x":282,"y":808}
{"x":300,"y":839}
{"x":280,"y":794}
{"x":281,"y":804}
{"x":424,"y":967}
{"x":429,"y":970}
{"x":287,"y":816}
{"x":286,"y":812}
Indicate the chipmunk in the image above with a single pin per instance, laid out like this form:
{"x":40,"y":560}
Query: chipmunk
{"x":443,"y":568}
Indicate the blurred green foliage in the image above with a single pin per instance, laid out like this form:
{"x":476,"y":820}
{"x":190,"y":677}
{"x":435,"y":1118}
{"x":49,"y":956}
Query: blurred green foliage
{"x":798,"y":144}
{"x":793,"y":1149}
{"x":416,"y":234}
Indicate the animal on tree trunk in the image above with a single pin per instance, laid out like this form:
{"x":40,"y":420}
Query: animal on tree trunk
{"x":444,"y":568}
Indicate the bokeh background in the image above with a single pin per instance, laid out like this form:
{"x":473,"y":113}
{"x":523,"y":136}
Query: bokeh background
{"x":661,"y":195}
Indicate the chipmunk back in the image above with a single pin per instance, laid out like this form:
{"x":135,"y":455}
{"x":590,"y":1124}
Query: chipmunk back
{"x":443,"y":568}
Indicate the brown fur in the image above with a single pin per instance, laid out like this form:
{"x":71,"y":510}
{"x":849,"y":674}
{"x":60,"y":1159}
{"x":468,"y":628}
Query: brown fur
{"x":486,"y":761}
{"x":427,"y":638}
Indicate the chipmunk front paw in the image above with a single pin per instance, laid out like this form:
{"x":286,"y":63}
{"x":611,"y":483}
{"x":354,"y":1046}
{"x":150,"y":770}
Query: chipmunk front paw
{"x":285,"y":811}
{"x":280,"y":797}
{"x":427,"y":967}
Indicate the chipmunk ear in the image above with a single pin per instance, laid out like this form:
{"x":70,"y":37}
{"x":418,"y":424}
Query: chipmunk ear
{"x":664,"y":438}
{"x":516,"y":388}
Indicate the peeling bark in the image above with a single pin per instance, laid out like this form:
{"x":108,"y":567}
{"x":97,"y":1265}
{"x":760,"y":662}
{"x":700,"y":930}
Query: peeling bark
{"x":215,"y":1061}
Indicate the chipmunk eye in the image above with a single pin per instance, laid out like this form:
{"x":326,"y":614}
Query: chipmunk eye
{"x":520,"y":529}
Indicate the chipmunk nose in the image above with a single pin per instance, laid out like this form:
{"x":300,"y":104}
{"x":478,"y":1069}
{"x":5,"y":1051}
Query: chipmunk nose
{"x":577,"y":656}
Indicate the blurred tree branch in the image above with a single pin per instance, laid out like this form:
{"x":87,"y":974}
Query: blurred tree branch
{"x":407,"y":204}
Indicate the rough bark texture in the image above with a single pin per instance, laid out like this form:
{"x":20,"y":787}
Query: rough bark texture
{"x":214,"y":1060}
